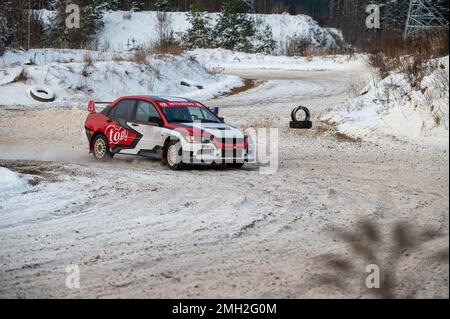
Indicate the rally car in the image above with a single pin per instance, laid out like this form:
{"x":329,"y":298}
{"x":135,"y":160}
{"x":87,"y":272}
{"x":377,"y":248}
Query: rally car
{"x":177,"y":130}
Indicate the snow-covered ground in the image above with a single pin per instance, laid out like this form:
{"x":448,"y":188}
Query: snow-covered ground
{"x":393,"y":107}
{"x":220,"y":59}
{"x":110,"y":75}
{"x":122,"y":28}
{"x":11,"y":184}
{"x":137,"y":229}
{"x":114,"y":74}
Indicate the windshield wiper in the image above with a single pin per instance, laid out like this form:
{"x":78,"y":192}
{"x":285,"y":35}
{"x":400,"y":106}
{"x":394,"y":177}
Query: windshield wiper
{"x":209,"y":121}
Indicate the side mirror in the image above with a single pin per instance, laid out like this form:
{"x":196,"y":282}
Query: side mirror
{"x":222,"y":119}
{"x":155,"y":120}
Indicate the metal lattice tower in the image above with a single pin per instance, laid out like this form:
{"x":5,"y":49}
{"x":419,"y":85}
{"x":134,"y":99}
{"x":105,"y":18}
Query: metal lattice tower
{"x":422,"y":16}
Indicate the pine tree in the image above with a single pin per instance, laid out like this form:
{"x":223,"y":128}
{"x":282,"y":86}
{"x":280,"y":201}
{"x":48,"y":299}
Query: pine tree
{"x":5,"y":32}
{"x":163,"y":5}
{"x":234,"y":28}
{"x":264,"y":41}
{"x":14,"y":21}
{"x":442,"y":6}
{"x":199,"y":35}
{"x":292,"y":9}
{"x":125,"y":5}
{"x":133,"y":5}
{"x":13,"y":18}
{"x":394,"y":14}
{"x":90,"y":24}
{"x":112,"y":5}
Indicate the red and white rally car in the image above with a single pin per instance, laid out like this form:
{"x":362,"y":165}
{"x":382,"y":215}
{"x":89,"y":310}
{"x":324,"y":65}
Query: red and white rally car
{"x":177,"y":130}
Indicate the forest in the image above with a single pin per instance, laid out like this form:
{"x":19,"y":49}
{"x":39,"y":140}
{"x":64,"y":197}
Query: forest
{"x":314,"y":8}
{"x":347,"y":15}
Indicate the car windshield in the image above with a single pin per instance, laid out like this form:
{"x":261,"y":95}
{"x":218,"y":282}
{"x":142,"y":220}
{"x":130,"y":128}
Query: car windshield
{"x":189,"y":115}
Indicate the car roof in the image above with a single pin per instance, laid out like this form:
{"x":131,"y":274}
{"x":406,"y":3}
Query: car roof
{"x":163,"y":101}
{"x":159,"y":98}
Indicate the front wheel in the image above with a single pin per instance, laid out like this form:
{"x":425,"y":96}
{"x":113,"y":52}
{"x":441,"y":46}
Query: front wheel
{"x":101,"y":148}
{"x":173,"y":154}
{"x":235,"y":165}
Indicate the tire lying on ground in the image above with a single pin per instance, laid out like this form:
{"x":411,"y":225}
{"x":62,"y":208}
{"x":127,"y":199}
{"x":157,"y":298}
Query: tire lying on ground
{"x":296,"y":122}
{"x":41,"y":93}
{"x":301,"y":124}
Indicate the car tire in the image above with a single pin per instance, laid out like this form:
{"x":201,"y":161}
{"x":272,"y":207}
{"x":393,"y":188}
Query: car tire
{"x":298,"y":109}
{"x":42,"y":93}
{"x":301,"y":124}
{"x":235,"y":165}
{"x":101,"y":149}
{"x":304,"y":123}
{"x":173,"y":155}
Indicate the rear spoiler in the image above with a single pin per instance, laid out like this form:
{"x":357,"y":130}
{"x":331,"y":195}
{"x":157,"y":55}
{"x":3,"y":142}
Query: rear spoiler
{"x":91,"y":105}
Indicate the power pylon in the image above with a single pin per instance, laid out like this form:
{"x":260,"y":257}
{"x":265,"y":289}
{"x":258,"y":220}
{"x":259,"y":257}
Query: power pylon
{"x":423,"y":16}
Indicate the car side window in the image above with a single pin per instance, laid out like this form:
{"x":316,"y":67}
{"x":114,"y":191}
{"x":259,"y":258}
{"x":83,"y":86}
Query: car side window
{"x":144,"y":111}
{"x":123,"y":109}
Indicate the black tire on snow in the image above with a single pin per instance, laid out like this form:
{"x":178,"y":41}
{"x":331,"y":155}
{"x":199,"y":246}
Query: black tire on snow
{"x":296,"y":110}
{"x":301,"y":124}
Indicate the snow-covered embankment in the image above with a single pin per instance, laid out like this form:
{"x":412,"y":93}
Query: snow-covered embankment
{"x":123,"y":29}
{"x":394,"y":107}
{"x":76,"y":75}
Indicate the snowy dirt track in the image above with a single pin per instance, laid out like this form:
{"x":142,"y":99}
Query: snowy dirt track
{"x":137,"y":229}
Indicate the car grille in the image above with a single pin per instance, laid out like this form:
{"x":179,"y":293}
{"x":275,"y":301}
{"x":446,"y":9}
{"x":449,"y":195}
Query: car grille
{"x":232,"y":153}
{"x":232,"y":141}
{"x":232,"y":148}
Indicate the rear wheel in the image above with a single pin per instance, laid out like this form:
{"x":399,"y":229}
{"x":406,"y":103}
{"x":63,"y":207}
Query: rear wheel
{"x":101,"y":148}
{"x":174,"y":154}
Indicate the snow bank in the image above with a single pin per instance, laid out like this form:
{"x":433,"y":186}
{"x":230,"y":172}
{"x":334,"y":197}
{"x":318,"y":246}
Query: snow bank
{"x":123,"y":30}
{"x":11,"y":183}
{"x":111,"y":75}
{"x":232,"y":60}
{"x":393,"y":107}
{"x":285,"y":27}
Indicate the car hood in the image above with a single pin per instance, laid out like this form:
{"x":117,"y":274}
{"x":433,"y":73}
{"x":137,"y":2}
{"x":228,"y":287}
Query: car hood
{"x":219,"y":130}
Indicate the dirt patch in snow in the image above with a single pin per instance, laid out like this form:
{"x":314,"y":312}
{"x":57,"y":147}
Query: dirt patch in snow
{"x":248,"y":85}
{"x":35,"y":169}
{"x":324,"y":128}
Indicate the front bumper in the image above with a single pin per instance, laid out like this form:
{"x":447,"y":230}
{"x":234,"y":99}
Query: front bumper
{"x":209,"y":153}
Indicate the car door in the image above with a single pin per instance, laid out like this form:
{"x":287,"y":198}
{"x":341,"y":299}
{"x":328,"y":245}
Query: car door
{"x":121,"y":137}
{"x":147,"y":121}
